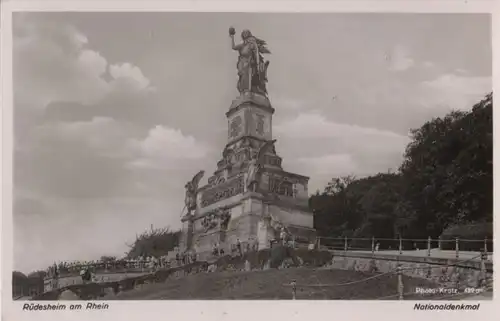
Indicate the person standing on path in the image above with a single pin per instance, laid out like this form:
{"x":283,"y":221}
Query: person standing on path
{"x":238,"y":247}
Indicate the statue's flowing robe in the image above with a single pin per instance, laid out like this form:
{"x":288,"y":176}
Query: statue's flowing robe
{"x":252,"y":69}
{"x":244,"y":66}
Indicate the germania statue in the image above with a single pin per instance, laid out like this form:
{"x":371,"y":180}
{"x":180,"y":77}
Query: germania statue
{"x":252,"y":68}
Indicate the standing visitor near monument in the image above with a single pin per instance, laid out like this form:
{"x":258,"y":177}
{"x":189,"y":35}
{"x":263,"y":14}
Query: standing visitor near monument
{"x":238,"y":247}
{"x":283,"y":236}
{"x":178,"y":259}
{"x":151,"y":264}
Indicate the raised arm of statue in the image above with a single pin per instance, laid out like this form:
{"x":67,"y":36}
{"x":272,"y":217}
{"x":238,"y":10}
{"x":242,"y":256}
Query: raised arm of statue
{"x":235,"y":46}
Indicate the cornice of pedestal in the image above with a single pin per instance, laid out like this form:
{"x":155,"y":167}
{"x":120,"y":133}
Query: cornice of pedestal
{"x":253,"y":99}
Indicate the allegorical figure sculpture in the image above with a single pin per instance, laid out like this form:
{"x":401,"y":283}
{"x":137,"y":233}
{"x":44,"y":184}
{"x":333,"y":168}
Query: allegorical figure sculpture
{"x":191,"y":192}
{"x":252,"y":68}
{"x":255,"y":164}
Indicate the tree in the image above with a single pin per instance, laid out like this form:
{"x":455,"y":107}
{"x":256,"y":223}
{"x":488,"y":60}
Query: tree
{"x":448,"y":169}
{"x":20,"y":284}
{"x":446,"y":179}
{"x":107,"y":258}
{"x":155,"y":242}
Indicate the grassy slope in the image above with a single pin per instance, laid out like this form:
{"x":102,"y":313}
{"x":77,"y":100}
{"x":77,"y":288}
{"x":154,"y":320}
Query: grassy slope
{"x":268,"y":285}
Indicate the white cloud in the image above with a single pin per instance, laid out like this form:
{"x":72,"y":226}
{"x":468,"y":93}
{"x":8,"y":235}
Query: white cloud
{"x":52,"y":63}
{"x":103,"y":135}
{"x":91,"y":63}
{"x":455,"y":91}
{"x":315,"y":125}
{"x":400,"y":59}
{"x":343,"y":164}
{"x":335,"y":149}
{"x":428,"y":64}
{"x":281,"y":103}
{"x":130,"y":75}
{"x":165,"y":147}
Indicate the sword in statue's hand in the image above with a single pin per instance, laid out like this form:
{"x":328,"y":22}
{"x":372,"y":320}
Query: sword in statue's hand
{"x":182,"y":211}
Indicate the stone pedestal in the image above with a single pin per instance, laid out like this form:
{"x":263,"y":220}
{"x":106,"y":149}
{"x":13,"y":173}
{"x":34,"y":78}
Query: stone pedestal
{"x":279,"y":195}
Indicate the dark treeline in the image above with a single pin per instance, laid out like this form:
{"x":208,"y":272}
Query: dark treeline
{"x":444,"y":187}
{"x":25,"y":285}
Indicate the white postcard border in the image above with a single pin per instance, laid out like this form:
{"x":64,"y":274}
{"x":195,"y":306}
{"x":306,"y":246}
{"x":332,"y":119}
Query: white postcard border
{"x":222,"y":310}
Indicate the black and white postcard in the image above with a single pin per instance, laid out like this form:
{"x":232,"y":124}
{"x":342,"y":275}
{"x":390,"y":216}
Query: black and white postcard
{"x":223,"y":158}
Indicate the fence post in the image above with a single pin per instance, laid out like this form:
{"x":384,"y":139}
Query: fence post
{"x":345,"y":244}
{"x":439,"y":243}
{"x":428,"y":256}
{"x":486,"y":245}
{"x":294,"y":289}
{"x":456,"y":248}
{"x":400,"y":245}
{"x":319,"y":243}
{"x":373,"y":245}
{"x":400,"y":282}
{"x":484,"y":257}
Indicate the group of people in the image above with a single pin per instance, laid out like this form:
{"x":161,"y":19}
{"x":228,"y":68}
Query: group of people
{"x":184,"y":258}
{"x":88,"y":268}
{"x":142,"y":262}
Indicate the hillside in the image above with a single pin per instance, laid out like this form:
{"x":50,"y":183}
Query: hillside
{"x":268,"y":285}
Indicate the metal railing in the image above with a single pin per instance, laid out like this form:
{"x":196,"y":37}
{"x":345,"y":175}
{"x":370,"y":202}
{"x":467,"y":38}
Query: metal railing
{"x":399,"y":271}
{"x":452,"y":247}
{"x":132,"y":266}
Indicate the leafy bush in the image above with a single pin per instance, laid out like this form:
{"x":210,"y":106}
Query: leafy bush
{"x":106,"y":258}
{"x":472,"y":231}
{"x":155,"y":242}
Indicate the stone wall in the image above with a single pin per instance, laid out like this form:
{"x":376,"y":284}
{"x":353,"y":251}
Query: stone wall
{"x":450,"y":272}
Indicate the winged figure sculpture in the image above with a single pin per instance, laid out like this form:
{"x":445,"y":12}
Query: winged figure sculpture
{"x":191,"y":191}
{"x":256,"y":164}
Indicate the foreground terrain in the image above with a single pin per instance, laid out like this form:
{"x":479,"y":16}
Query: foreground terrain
{"x":271,"y":284}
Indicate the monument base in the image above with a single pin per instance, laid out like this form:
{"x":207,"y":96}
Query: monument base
{"x":254,"y":222}
{"x":250,"y":197}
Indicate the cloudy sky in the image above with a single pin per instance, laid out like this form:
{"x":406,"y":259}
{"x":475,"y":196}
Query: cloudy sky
{"x":114,"y":112}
